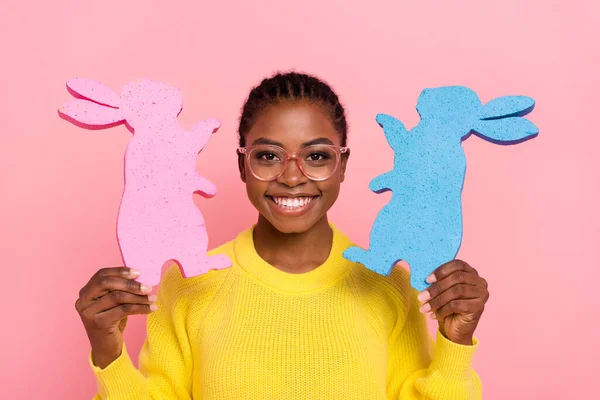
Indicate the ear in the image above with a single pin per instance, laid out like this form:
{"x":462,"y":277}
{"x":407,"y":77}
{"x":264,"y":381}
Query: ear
{"x":95,"y":91}
{"x":506,"y":130}
{"x":92,"y":114}
{"x":507,"y":106}
{"x":242,"y":166}
{"x":343,"y":162}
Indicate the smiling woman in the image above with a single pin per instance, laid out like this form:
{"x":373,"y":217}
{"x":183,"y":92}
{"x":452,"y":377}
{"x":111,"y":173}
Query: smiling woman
{"x":315,"y":171}
{"x":298,"y":116}
{"x":291,"y":318}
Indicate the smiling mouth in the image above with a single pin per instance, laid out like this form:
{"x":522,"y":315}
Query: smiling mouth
{"x":292,"y":203}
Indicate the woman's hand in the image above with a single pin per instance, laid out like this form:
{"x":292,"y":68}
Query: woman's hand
{"x":456,"y":298}
{"x":104,"y":304}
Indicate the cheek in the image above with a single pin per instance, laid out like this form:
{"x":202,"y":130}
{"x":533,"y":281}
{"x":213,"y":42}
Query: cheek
{"x":256,"y":189}
{"x":330,"y":188}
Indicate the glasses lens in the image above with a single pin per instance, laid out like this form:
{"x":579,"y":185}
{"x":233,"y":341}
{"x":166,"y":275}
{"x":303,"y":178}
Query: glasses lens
{"x":266,"y":161}
{"x":319,"y":161}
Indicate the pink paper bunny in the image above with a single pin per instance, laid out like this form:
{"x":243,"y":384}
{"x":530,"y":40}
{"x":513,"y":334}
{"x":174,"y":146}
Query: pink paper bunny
{"x":158,"y":220}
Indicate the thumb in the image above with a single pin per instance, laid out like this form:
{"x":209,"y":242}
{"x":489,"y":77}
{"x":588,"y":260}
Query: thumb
{"x":123,"y":324}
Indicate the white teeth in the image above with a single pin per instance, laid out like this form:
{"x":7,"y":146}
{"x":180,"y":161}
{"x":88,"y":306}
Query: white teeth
{"x":292,"y":203}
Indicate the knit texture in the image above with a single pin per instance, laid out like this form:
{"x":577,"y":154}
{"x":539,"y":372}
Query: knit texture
{"x":254,"y":332}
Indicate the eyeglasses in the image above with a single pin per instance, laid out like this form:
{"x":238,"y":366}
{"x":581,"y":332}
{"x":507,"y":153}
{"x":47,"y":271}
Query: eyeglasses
{"x":317,"y":162}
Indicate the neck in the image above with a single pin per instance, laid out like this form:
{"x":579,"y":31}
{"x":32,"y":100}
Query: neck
{"x":294,"y":253}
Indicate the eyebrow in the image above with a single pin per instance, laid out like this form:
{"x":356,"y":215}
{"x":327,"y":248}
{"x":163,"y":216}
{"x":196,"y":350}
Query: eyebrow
{"x":275,"y":143}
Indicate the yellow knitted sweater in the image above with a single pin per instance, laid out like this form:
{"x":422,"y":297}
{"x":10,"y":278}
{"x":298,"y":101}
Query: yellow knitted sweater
{"x":254,"y":332}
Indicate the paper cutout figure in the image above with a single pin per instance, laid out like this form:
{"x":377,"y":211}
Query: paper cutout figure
{"x":422,"y":223}
{"x":158,"y":220}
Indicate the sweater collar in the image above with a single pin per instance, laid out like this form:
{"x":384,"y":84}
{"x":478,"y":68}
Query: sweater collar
{"x":334,"y":267}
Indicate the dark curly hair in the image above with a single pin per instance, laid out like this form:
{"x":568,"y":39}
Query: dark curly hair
{"x":292,"y":86}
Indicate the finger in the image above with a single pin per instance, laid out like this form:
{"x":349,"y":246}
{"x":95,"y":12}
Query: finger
{"x":448,"y":268}
{"x":101,"y":284}
{"x":116,"y":298}
{"x":109,"y":317}
{"x":457,"y":292}
{"x":123,"y":272}
{"x":461,"y":306}
{"x":457,"y":277}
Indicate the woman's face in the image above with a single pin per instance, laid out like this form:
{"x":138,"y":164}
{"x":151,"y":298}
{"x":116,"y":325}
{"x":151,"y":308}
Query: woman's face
{"x":293,"y":203}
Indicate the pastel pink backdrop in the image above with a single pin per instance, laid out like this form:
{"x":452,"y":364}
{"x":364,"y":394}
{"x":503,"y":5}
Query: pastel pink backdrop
{"x":530,"y":211}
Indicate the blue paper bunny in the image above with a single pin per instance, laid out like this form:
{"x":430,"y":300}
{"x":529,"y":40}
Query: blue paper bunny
{"x":422,"y":223}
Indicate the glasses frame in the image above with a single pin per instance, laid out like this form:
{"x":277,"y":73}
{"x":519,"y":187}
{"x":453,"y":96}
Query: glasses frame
{"x":247,"y":150}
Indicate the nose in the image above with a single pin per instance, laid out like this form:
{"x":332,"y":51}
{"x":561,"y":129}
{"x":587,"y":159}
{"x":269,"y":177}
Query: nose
{"x":292,"y":174}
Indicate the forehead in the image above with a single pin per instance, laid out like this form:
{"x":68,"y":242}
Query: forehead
{"x":293,"y":123}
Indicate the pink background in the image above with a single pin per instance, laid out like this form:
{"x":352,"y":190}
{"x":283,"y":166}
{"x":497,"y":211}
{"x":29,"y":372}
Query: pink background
{"x":530,"y":211}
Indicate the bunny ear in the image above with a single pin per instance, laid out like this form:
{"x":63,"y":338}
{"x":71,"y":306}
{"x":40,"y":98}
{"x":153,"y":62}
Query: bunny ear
{"x":90,"y":113}
{"x":95,"y":91}
{"x":507,"y":106}
{"x":506,"y":130}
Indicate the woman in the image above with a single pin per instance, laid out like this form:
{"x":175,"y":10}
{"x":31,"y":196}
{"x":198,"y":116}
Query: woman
{"x":291,"y":318}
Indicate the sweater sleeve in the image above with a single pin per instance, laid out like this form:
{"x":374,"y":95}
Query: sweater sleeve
{"x":165,"y":360}
{"x":422,"y":369}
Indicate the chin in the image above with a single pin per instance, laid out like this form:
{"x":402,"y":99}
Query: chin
{"x":289,"y":227}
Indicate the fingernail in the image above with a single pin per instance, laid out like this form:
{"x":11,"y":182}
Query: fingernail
{"x":145,"y":289}
{"x":152,"y":298}
{"x":134,"y":272}
{"x":431,"y":278}
{"x":153,"y":307}
{"x":424,"y":296}
{"x":425,"y":308}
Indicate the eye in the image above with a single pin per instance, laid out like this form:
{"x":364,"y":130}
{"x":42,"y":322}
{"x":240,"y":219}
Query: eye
{"x":267,"y":156}
{"x":317,"y":156}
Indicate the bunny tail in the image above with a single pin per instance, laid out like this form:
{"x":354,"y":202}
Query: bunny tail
{"x":417,"y":281}
{"x":219,"y":261}
{"x":371,"y":261}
